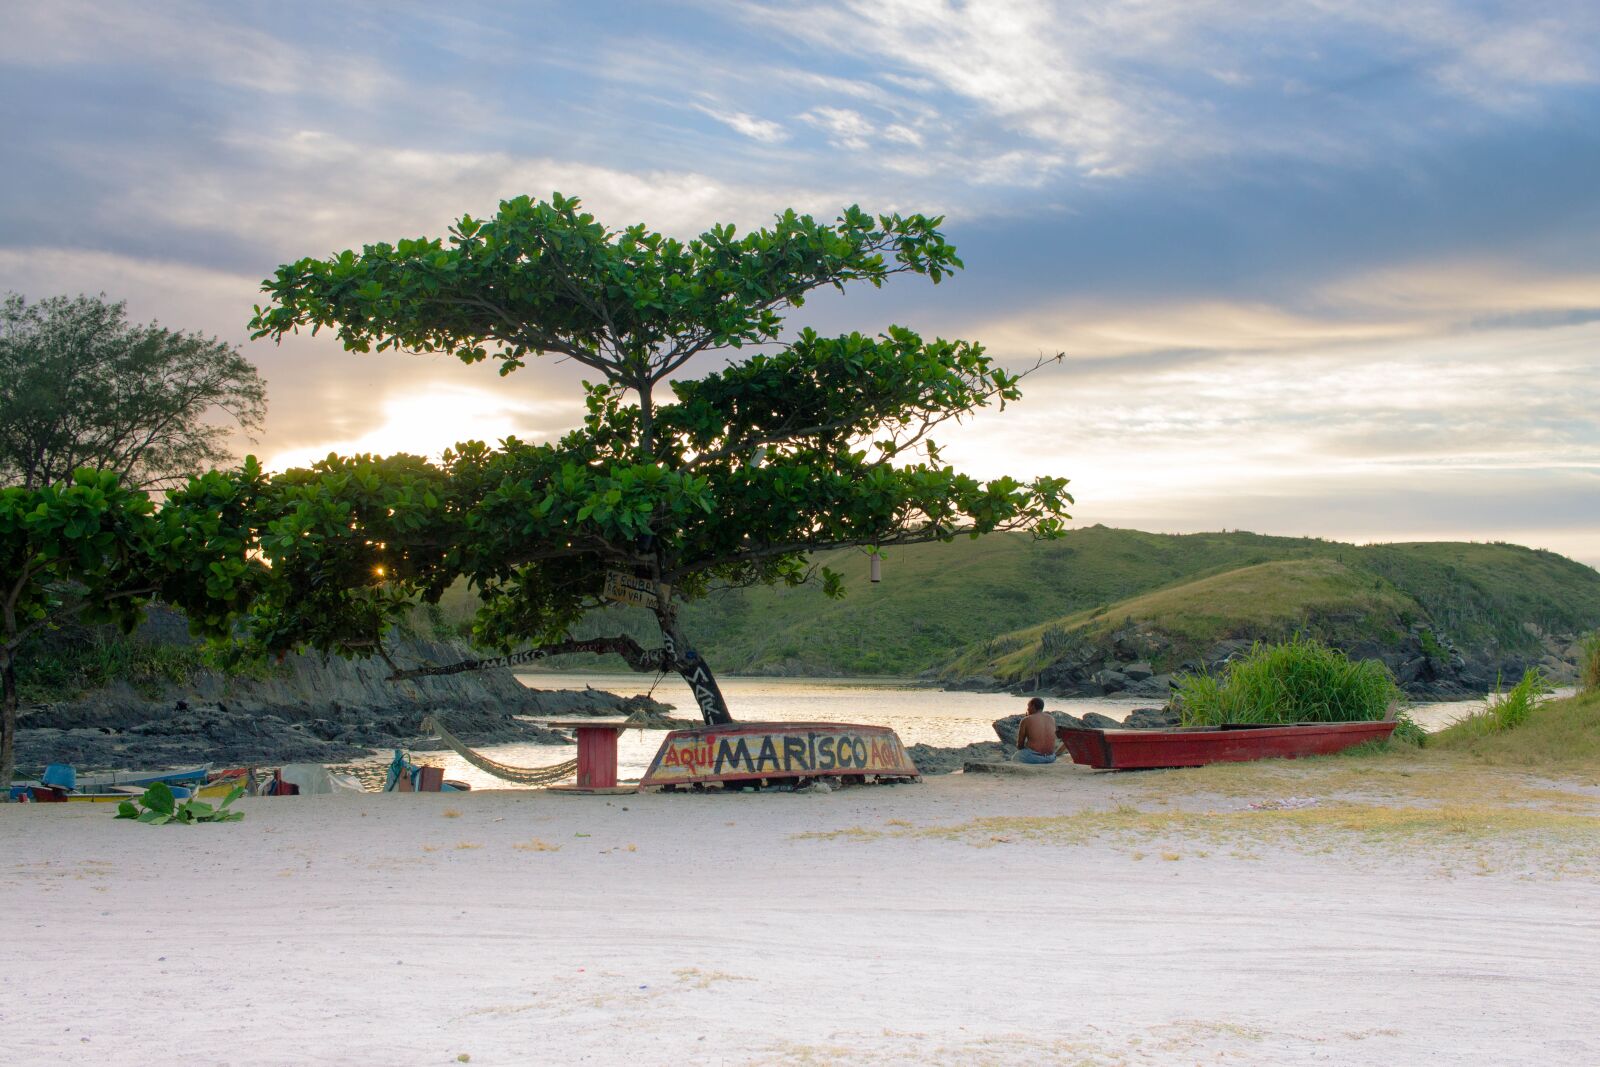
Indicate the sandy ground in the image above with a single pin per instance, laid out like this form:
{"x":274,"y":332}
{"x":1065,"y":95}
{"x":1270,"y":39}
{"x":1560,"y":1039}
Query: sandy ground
{"x":1135,"y":919}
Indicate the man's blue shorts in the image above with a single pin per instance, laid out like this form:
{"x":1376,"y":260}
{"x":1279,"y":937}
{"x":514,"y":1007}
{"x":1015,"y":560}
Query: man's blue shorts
{"x":1028,"y":755}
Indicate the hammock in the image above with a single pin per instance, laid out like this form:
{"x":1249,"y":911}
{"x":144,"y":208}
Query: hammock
{"x":520,"y":775}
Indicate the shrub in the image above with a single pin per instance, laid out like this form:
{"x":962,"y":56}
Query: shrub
{"x":1301,"y":680}
{"x":1589,"y":663}
{"x":1505,"y":710}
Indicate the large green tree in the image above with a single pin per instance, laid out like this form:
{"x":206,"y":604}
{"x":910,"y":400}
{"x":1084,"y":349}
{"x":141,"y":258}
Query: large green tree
{"x":93,"y":550}
{"x":672,"y":484}
{"x":81,"y":386}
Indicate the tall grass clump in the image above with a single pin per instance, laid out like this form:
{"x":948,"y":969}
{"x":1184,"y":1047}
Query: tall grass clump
{"x":1589,"y":663}
{"x":1301,"y":680}
{"x":1505,"y":710}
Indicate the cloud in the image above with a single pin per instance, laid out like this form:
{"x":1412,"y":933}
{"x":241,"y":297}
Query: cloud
{"x":1489,"y":432}
{"x":187,"y":40}
{"x":312,"y":192}
{"x":846,"y":128}
{"x":1114,"y":90}
{"x":757,"y":129}
{"x":1388,"y":304}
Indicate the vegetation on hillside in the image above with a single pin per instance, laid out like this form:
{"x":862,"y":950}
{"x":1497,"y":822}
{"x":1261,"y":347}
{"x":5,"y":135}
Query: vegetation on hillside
{"x":1557,"y":736}
{"x":1499,"y":600}
{"x":940,"y":605}
{"x":1505,"y":710}
{"x":1589,"y":663}
{"x":1268,"y":600}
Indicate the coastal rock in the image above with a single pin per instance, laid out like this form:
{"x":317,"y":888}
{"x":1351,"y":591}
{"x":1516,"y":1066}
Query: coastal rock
{"x":225,"y":736}
{"x":1111,"y":681}
{"x":1152,"y":719}
{"x":308,"y":709}
{"x":1138,"y":672}
{"x":1096,"y":721}
{"x":931,"y":759}
{"x":1006,"y":729}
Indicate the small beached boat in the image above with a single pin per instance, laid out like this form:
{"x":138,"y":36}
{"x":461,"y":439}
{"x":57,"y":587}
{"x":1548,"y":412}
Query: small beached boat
{"x":407,"y":777}
{"x":45,"y":794}
{"x":60,"y":784}
{"x":1195,"y":746}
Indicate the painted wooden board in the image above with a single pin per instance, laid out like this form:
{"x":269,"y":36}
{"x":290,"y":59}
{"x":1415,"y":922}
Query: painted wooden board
{"x":750,"y":751}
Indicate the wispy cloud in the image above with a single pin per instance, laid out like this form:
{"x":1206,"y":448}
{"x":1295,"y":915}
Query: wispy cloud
{"x":187,"y":40}
{"x":757,"y":129}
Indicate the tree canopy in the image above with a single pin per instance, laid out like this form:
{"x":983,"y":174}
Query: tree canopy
{"x":812,"y":442}
{"x":93,"y":549}
{"x":82,"y":387}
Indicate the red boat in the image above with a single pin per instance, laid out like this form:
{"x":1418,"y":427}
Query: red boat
{"x":1195,"y":746}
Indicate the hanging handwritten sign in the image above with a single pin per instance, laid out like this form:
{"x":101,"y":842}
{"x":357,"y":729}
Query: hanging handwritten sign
{"x":626,"y":589}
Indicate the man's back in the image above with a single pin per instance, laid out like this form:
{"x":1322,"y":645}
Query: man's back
{"x":1038,"y":732}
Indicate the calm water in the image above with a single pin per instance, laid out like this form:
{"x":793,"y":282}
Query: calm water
{"x":926,"y":716}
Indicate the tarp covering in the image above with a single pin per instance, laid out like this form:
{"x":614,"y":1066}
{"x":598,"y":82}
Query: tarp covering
{"x":314,"y":778}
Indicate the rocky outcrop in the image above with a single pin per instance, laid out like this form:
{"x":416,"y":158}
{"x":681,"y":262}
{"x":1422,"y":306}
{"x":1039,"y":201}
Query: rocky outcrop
{"x":1427,"y":665}
{"x":309,"y":708}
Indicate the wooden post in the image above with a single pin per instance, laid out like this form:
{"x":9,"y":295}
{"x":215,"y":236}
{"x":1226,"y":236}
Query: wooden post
{"x":597,"y":756}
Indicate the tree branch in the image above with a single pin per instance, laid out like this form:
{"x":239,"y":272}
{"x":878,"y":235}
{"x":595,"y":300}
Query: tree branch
{"x":638,"y":657}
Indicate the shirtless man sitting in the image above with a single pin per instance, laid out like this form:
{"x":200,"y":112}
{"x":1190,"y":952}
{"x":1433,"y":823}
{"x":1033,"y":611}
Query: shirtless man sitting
{"x":1036,"y":735}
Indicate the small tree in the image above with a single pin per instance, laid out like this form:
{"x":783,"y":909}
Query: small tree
{"x":98,"y":551}
{"x":737,"y":478}
{"x":80,"y":386}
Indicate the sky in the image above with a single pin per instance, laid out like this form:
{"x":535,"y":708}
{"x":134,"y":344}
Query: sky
{"x":1321,"y":268}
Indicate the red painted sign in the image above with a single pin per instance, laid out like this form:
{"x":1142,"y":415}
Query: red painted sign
{"x":748,"y":751}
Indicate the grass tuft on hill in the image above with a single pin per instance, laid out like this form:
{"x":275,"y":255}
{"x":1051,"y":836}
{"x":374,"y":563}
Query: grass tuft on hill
{"x":1300,"y":680}
{"x":1506,"y":710}
{"x":1589,"y":663}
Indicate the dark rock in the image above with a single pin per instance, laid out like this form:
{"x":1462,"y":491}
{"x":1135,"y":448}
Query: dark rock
{"x":1152,"y":719}
{"x":1111,"y":681}
{"x":1223,"y":651}
{"x":1413,"y":671}
{"x":1006,"y":729}
{"x":982,"y":683}
{"x":1138,"y":672}
{"x":931,"y":759}
{"x":1096,"y":721}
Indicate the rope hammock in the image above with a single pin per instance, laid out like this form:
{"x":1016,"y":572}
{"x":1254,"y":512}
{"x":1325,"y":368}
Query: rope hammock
{"x":521,"y":775}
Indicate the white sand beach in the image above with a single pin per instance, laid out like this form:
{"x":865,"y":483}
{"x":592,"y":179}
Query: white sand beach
{"x":1137,"y":919}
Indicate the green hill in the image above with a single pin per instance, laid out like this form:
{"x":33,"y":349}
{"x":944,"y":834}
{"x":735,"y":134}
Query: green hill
{"x":1180,"y":622}
{"x":939,"y":606}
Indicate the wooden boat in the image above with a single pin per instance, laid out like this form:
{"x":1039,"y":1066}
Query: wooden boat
{"x":1195,"y":746}
{"x":45,"y":794}
{"x":60,"y":785}
{"x":220,"y":783}
{"x":188,"y":779}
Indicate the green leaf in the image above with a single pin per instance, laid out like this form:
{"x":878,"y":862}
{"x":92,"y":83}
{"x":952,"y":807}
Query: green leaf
{"x":158,"y":797}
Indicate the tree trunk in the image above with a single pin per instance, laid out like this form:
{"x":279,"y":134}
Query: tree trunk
{"x":8,"y":724}
{"x":687,"y":662}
